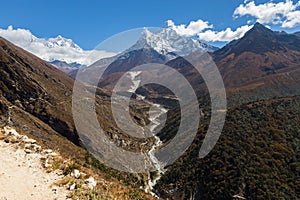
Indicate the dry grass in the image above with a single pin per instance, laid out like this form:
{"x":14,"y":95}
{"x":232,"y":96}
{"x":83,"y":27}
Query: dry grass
{"x":2,"y":136}
{"x":65,"y":181}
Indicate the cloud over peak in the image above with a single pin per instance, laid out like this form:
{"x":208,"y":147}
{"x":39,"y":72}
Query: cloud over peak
{"x":287,"y":13}
{"x":224,"y":35}
{"x":203,"y":30}
{"x":193,"y":28}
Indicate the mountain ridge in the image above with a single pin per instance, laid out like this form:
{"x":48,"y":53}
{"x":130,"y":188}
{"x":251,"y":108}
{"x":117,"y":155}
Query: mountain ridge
{"x":259,"y":40}
{"x":50,"y":49}
{"x":263,"y":62}
{"x":166,"y":41}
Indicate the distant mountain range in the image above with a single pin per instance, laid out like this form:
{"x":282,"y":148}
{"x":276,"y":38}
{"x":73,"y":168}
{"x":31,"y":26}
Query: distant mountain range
{"x":52,"y":49}
{"x":68,"y":56}
{"x":160,"y":46}
{"x":261,"y":64}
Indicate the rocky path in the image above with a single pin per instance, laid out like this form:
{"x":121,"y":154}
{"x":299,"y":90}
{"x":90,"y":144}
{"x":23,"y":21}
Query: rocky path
{"x":29,"y":172}
{"x":22,"y":175}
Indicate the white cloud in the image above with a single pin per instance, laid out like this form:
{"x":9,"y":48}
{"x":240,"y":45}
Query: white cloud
{"x":50,"y":49}
{"x":286,"y":14}
{"x":283,"y":13}
{"x":192,"y":29}
{"x":204,"y":31}
{"x":293,"y":19}
{"x":224,"y":35}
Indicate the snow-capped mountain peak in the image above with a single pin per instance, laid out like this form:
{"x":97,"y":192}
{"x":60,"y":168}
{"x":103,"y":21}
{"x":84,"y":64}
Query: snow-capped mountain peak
{"x":166,"y":41}
{"x":60,"y":41}
{"x":52,"y":49}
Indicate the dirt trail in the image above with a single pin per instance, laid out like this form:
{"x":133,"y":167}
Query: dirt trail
{"x":22,"y":175}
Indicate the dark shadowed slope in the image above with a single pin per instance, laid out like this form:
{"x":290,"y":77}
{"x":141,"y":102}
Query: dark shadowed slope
{"x":37,"y":87}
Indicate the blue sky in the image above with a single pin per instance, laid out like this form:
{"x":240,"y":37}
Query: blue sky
{"x":90,"y":22}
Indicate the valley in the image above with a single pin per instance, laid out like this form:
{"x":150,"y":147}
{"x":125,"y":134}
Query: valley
{"x":256,"y":156}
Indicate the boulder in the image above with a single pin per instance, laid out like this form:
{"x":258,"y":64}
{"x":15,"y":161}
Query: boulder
{"x":76,"y":173}
{"x":91,"y":183}
{"x":72,"y":186}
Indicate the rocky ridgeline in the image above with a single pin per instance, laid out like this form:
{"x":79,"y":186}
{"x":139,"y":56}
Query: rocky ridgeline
{"x":70,"y":177}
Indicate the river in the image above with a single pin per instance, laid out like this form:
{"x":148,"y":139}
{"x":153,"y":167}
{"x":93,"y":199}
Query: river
{"x":156,"y":112}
